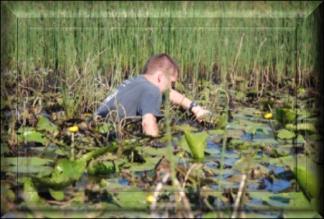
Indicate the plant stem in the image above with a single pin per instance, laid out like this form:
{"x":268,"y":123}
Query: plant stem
{"x":72,"y":147}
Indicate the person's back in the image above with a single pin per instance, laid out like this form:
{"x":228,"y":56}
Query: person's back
{"x":142,"y":95}
{"x":134,"y":97}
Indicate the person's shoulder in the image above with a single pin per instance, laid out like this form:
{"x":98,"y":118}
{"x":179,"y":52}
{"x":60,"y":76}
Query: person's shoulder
{"x":146,"y":84}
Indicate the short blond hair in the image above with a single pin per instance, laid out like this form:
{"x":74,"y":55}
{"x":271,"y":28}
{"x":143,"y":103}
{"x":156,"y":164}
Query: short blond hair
{"x":162,"y":62}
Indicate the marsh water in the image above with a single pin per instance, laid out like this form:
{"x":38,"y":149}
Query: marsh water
{"x":127,"y":177}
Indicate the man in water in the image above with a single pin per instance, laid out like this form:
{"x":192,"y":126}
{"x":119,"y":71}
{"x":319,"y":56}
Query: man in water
{"x":142,"y":95}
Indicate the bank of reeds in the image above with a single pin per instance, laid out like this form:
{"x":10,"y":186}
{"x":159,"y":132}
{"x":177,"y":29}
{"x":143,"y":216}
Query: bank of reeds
{"x":97,"y":45}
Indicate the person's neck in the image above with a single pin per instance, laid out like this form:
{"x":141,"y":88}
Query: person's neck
{"x":152,"y":79}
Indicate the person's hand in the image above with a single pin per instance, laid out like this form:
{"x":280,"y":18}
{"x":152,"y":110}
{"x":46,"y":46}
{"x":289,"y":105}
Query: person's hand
{"x":200,"y":113}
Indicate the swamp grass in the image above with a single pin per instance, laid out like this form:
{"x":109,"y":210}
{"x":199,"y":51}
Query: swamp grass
{"x":210,"y":41}
{"x":66,"y":57}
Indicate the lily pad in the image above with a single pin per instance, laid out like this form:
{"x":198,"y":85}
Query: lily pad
{"x":65,"y":172}
{"x":149,"y":164}
{"x":68,"y":171}
{"x":220,"y":121}
{"x":133,"y":199}
{"x":101,"y":168}
{"x":216,"y":132}
{"x":57,"y":194}
{"x":184,"y":127}
{"x":104,"y":128}
{"x":44,"y":124}
{"x":25,"y":161}
{"x":28,"y":134}
{"x":285,"y":115}
{"x":307,"y":179}
{"x":4,"y":148}
{"x":310,"y":127}
{"x":285,"y":134}
{"x":291,"y":200}
{"x":30,"y":193}
{"x":150,"y":151}
{"x":254,"y":128}
{"x":26,"y":165}
{"x":235,"y":133}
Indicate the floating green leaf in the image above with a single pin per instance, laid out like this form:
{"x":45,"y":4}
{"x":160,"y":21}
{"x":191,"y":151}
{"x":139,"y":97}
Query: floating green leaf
{"x":291,"y":127}
{"x":151,"y":151}
{"x":291,"y":200}
{"x":30,"y":193}
{"x":220,"y":121}
{"x":28,"y":134}
{"x":101,"y":168}
{"x":98,"y":152}
{"x":149,"y":164}
{"x":307,"y":180}
{"x":104,"y":128}
{"x":65,"y":172}
{"x":285,"y":115}
{"x":44,"y":124}
{"x":25,"y":161}
{"x":253,"y":128}
{"x":285,"y":134}
{"x":216,"y":132}
{"x":4,"y":148}
{"x":133,"y":199}
{"x":26,"y":165}
{"x":235,"y":133}
{"x":68,"y":171}
{"x":57,"y":194}
{"x":310,"y":127}
{"x":184,"y":127}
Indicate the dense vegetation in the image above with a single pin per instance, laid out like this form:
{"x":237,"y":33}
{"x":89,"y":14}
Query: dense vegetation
{"x":253,"y":64}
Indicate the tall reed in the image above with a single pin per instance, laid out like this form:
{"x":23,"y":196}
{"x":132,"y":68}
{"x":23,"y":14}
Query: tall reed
{"x":63,"y":36}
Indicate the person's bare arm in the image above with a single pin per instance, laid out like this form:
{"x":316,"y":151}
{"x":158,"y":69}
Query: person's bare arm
{"x":181,"y":100}
{"x":149,"y":125}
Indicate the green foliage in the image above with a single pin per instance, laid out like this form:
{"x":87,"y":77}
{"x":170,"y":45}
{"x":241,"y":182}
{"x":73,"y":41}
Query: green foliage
{"x":30,"y":193}
{"x":307,"y":179}
{"x":149,"y":164}
{"x":44,"y":124}
{"x":197,"y":143}
{"x":291,"y":200}
{"x":309,"y":127}
{"x":285,"y":115}
{"x":68,"y":171}
{"x":29,"y":134}
{"x":101,"y":168}
{"x":65,"y":173}
{"x":106,"y":39}
{"x":104,"y":128}
{"x":285,"y":134}
{"x":56,"y":194}
{"x":133,"y":199}
{"x":26,"y":165}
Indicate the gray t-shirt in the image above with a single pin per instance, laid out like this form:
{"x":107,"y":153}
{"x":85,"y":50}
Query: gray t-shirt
{"x":134,"y":97}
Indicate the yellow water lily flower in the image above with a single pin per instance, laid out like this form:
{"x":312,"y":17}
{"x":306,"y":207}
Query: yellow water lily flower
{"x":181,"y":154}
{"x":150,"y":198}
{"x":267,"y":116}
{"x":73,"y":129}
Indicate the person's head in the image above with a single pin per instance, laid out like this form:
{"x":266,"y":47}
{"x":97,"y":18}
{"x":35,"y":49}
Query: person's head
{"x":162,"y":69}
